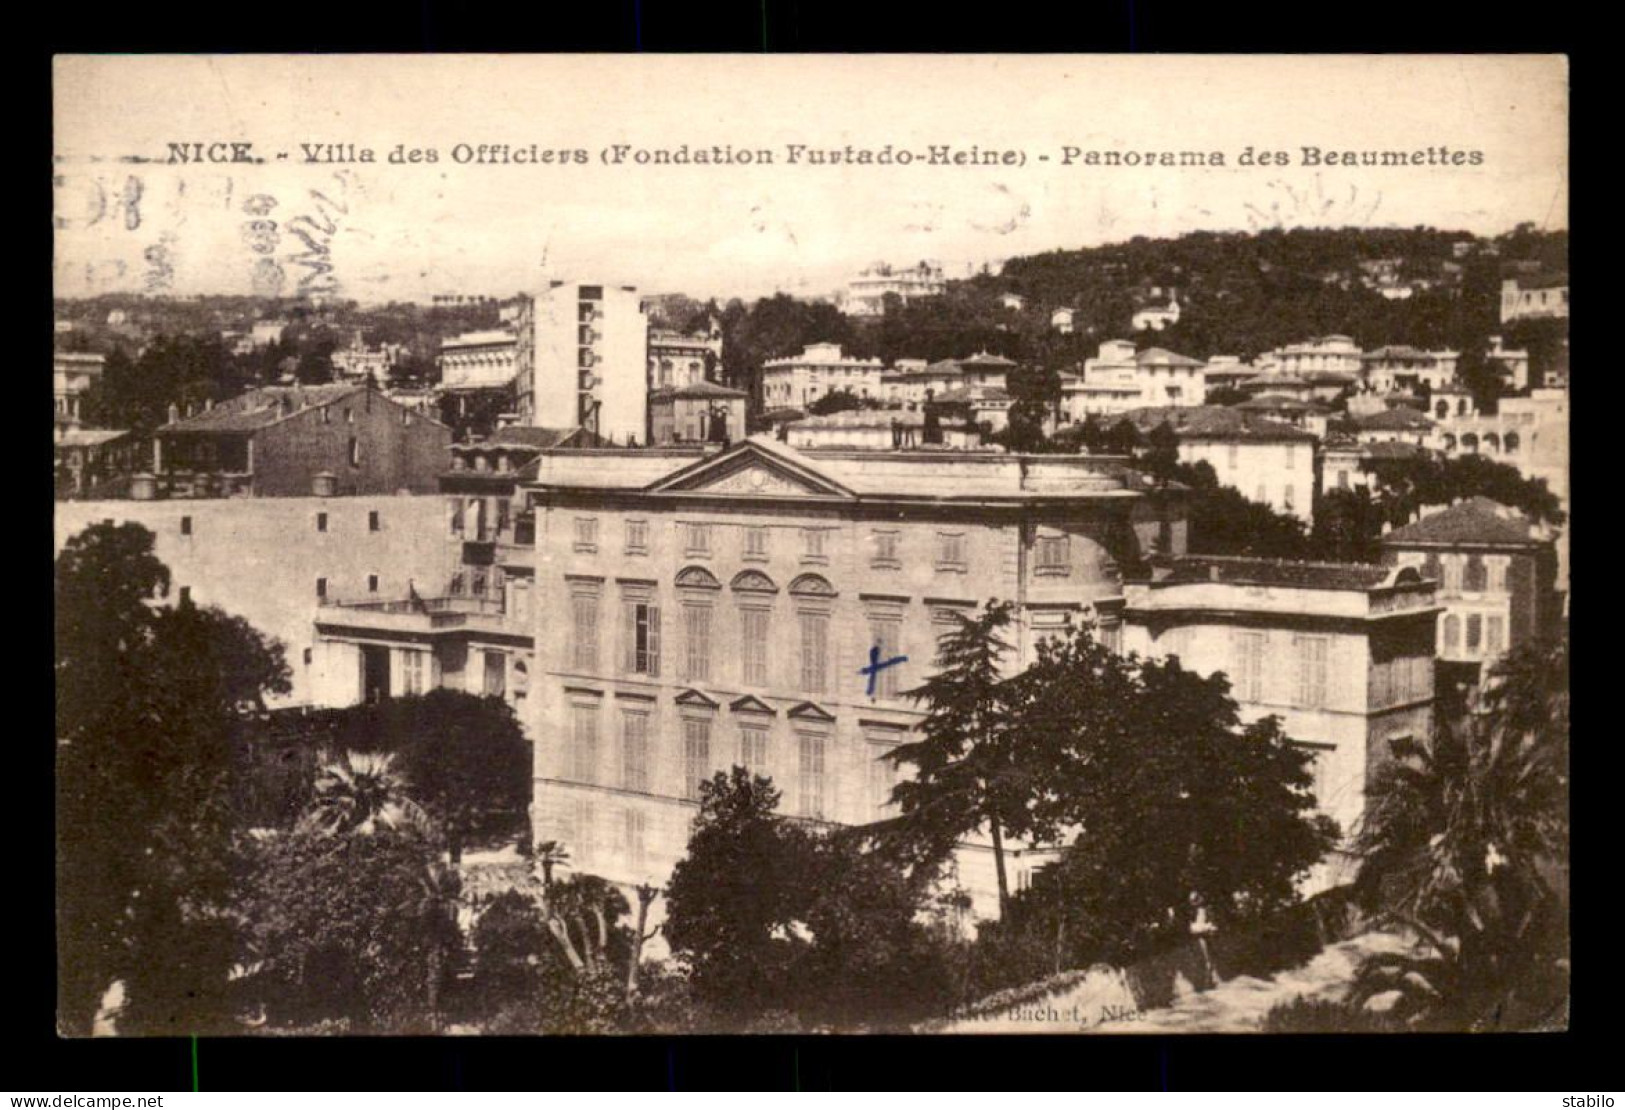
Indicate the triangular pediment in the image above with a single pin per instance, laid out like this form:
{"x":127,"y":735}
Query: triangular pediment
{"x":807,"y":711}
{"x":697,"y":700}
{"x":749,"y":704}
{"x":751,"y":469}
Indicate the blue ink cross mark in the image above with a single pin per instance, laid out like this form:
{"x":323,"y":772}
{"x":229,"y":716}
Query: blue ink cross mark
{"x":877,"y":664}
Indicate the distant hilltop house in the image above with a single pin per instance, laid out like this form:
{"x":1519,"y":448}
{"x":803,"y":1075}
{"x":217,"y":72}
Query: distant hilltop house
{"x":1155,"y":308}
{"x":678,"y":359}
{"x":263,"y":333}
{"x":1537,"y":297}
{"x":358,"y":361}
{"x":1120,"y":378}
{"x":1265,"y":459}
{"x":1329,"y":353}
{"x":1399,"y":367}
{"x":866,"y":293}
{"x":1064,"y":320}
{"x":291,"y":441}
{"x":460,"y":300}
{"x":1015,"y":302}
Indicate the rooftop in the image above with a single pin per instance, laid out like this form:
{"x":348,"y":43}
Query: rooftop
{"x":1478,"y":520}
{"x":1400,"y":419}
{"x":698,"y":389}
{"x":1159,"y":356}
{"x":1401,"y":350}
{"x":1240,"y":570}
{"x":260,"y":408}
{"x":1216,"y":422}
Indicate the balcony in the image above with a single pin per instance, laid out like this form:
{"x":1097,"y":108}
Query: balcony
{"x":423,"y":615}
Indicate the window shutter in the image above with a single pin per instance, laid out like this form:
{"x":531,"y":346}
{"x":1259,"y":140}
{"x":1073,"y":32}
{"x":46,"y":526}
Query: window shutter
{"x":629,"y":663}
{"x":654,"y":641}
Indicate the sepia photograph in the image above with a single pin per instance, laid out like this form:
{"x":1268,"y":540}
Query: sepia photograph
{"x":778,"y":544}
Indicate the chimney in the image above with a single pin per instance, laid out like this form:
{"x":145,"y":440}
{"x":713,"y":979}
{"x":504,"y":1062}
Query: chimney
{"x":174,"y":413}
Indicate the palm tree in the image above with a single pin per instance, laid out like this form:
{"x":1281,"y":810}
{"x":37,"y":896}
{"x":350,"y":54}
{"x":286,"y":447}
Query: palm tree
{"x":550,"y":854}
{"x":1465,"y":842}
{"x":360,"y":793}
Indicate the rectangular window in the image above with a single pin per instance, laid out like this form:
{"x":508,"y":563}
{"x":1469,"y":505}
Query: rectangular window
{"x":637,"y":537}
{"x":1342,"y":479}
{"x":1230,"y":455}
{"x":1287,"y":498}
{"x":1052,"y":555}
{"x":1475,"y":632}
{"x":1291,"y":455}
{"x":186,"y":595}
{"x":496,"y":674}
{"x":884,"y":636}
{"x":1498,"y":575}
{"x":1312,"y":670}
{"x":355,"y":451}
{"x":1249,"y":676}
{"x":882,"y":778}
{"x":1476,"y":577}
{"x":374,"y":524}
{"x":584,"y":743}
{"x":1495,"y":635}
{"x":321,"y":588}
{"x":633,"y":838}
{"x":586,"y":534}
{"x":186,"y":526}
{"x":1110,"y":635}
{"x":755,"y":543}
{"x":812,"y":545}
{"x":696,"y":539}
{"x":372,"y":583}
{"x":457,"y":516}
{"x":321,"y":522}
{"x":753,"y":625}
{"x":696,"y":756}
{"x":814,"y":652}
{"x":584,"y":632}
{"x":697,"y":643}
{"x":586,"y":829}
{"x":811,"y":778}
{"x":886,"y":549}
{"x":412,"y":670}
{"x":1452,"y":573}
{"x":634,"y":750}
{"x":643,"y":638}
{"x":950,"y":551}
{"x":753,"y":749}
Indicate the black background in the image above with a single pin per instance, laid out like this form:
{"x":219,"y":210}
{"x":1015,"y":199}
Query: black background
{"x":36,"y":1061}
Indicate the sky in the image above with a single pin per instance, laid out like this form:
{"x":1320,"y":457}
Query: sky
{"x":129,"y":221}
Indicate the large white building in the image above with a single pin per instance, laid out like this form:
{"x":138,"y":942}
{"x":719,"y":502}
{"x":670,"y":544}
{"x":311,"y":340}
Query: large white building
{"x":1119,"y":379}
{"x":866,"y":293}
{"x":582,"y":358}
{"x":1540,"y":297}
{"x":819,"y":370}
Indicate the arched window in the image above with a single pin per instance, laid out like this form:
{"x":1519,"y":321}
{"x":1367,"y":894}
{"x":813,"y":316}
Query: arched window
{"x":1461,"y":407}
{"x":697,"y":578}
{"x":1452,"y":633}
{"x":1512,"y":443}
{"x":1469,"y":443}
{"x":1442,"y":409}
{"x":754,"y":581}
{"x":1492,"y":441}
{"x":1449,"y":442}
{"x":812,"y":585}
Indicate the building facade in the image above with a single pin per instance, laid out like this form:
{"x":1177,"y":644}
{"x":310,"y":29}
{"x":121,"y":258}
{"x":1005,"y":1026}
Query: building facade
{"x":819,"y":370}
{"x":72,"y":375}
{"x":867,"y":292}
{"x":1535,"y":298}
{"x":1497,"y":575}
{"x":582,"y":355}
{"x":279,"y":441}
{"x":719,"y":609}
{"x":276,"y":561}
{"x":1342,"y":653}
{"x":701,"y":412}
{"x":1120,"y":379}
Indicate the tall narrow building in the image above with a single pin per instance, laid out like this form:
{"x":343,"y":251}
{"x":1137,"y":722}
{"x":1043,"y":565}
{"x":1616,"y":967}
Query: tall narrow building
{"x":582,"y":353}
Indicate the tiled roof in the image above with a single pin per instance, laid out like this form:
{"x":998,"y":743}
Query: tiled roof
{"x":89,"y":437}
{"x":1279,"y":402}
{"x":1215,"y":422}
{"x":698,"y":389}
{"x":1158,"y":356}
{"x":1399,"y":350}
{"x":1275,"y":572}
{"x":260,"y":408}
{"x":1478,"y":520}
{"x":1393,"y":420}
{"x":519,"y":435}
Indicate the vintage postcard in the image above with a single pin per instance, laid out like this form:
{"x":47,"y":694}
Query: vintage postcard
{"x":688,"y":544}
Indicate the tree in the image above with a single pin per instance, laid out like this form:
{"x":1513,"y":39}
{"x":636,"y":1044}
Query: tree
{"x":356,"y":928}
{"x":1222,"y":521}
{"x":967,"y":774}
{"x":732,"y":900}
{"x":1162,"y":456}
{"x":774,"y":918}
{"x":1410,"y":484}
{"x":1348,"y":527}
{"x":1465,"y":843}
{"x":151,"y":704}
{"x":1181,"y":809}
{"x":359,"y":794}
{"x":836,"y":400}
{"x":1035,"y":392}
